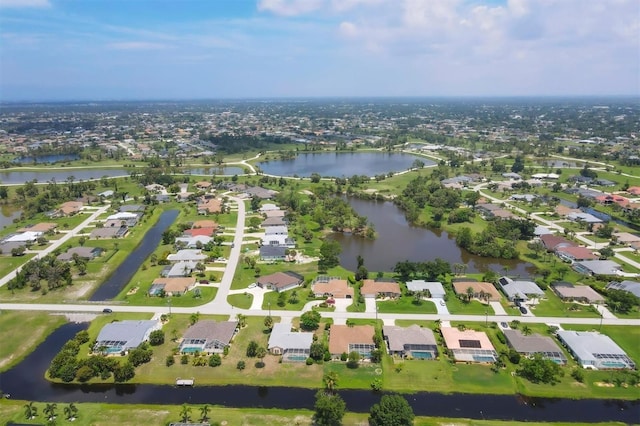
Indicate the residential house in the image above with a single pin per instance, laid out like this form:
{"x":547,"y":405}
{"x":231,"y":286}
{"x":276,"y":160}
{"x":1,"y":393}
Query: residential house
{"x":69,"y":208}
{"x":82,"y":252}
{"x":121,"y":336}
{"x":209,"y":206}
{"x":111,"y":232}
{"x":597,"y":267}
{"x":435,"y":288}
{"x":193,"y":242}
{"x":106,"y":194}
{"x":576,"y":293}
{"x":626,"y":285}
{"x":175,"y":286}
{"x":469,"y":345}
{"x":280,"y":281}
{"x":347,"y":339}
{"x":208,"y":336}
{"x":410,"y":342}
{"x":132,"y":208}
{"x":272,"y":253}
{"x":262,"y":193}
{"x":274,"y":213}
{"x":192,"y":255}
{"x":269,"y":207}
{"x":583,"y":217}
{"x":122,"y":218}
{"x":520,"y":291}
{"x":332,"y":287}
{"x":28,"y":237}
{"x":180,"y":269}
{"x":275,"y":221}
{"x":595,"y":351}
{"x":42,"y":227}
{"x":481,"y":290}
{"x":293,"y":346}
{"x":535,"y":344}
{"x":195,"y":232}
{"x":374,"y":289}
{"x":204,"y":223}
{"x":203,"y":185}
{"x":553,"y":242}
{"x":626,"y":238}
{"x":575,"y":253}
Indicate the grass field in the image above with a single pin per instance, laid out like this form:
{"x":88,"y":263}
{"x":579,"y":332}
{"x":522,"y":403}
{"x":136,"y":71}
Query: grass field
{"x":405,"y":304}
{"x":12,"y":323}
{"x":552,"y":306}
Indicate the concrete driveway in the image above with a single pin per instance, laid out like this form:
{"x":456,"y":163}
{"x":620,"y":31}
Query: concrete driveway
{"x":497,"y":308}
{"x":370,"y":304}
{"x":342,"y":304}
{"x":441,"y":306}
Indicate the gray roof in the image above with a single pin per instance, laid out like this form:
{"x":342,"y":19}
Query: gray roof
{"x":276,"y":230}
{"x":534,"y":343}
{"x":83,"y":252}
{"x":272,"y":251}
{"x":577,"y":292}
{"x":187,"y":255}
{"x":630,"y":286}
{"x":590,"y":345}
{"x":132,"y":208}
{"x":210,"y":330}
{"x":283,"y":337}
{"x":585,"y":217}
{"x":131,"y":331}
{"x":434,"y":287}
{"x":398,"y":337}
{"x":519,"y":289}
{"x":598,"y":267}
{"x":273,"y":221}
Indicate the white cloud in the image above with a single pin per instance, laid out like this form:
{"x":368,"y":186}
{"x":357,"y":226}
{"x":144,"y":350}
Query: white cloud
{"x":24,"y":3}
{"x":290,"y":7}
{"x":136,"y":45}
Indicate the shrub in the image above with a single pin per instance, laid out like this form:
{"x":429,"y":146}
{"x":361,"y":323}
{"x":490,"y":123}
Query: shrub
{"x":215,"y":360}
{"x":184,"y":360}
{"x":170,"y":361}
{"x":309,"y":361}
{"x":241,"y":365}
{"x":344,"y":356}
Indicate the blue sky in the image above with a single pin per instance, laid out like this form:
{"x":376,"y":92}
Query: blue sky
{"x":188,"y":49}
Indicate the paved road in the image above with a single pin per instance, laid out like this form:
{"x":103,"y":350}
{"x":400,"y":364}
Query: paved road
{"x":57,"y":243}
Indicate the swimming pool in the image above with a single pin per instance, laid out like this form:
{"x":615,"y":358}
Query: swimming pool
{"x":421,"y":355}
{"x":483,"y":358}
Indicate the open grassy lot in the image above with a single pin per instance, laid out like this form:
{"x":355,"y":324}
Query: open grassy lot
{"x":9,"y":263}
{"x":354,"y":378}
{"x":553,"y":306}
{"x":242,"y":301}
{"x":300,"y":296}
{"x":406,"y":304}
{"x":457,"y":306}
{"x":12,"y":323}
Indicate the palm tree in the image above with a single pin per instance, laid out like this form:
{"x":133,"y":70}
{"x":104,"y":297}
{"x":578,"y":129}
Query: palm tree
{"x":185,"y":413}
{"x":70,"y":411}
{"x":330,"y":381}
{"x":30,"y":411}
{"x":204,"y":413}
{"x":50,"y":410}
{"x":469,"y":294}
{"x":526,"y":330}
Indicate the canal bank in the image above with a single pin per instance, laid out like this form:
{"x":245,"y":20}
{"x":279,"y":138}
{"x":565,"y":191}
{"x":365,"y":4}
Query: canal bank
{"x":26,"y":382}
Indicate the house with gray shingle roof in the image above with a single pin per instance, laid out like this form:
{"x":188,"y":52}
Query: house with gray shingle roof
{"x":413,"y":341}
{"x":208,"y":336}
{"x":535,"y":344}
{"x":121,"y":336}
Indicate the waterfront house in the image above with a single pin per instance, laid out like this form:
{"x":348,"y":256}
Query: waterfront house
{"x":373,"y":289}
{"x":435,"y":288}
{"x":208,"y":336}
{"x":410,"y":342}
{"x":595,"y":351}
{"x":121,"y":336}
{"x":87,"y":253}
{"x":293,"y":346}
{"x":469,"y":345}
{"x":535,"y":344}
{"x":347,"y":339}
{"x":333,"y":287}
{"x":626,"y":285}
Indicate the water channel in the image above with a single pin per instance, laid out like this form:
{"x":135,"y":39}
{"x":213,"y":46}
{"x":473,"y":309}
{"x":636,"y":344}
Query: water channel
{"x":26,"y":382}
{"x":342,"y":164}
{"x":50,"y":158}
{"x":398,"y":241}
{"x":123,"y":274}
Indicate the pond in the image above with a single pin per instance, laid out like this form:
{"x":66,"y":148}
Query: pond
{"x":26,"y":382}
{"x":341,"y":164}
{"x":123,"y":274}
{"x":7,"y":214}
{"x":218,"y":171}
{"x":60,"y":176}
{"x":398,"y":241}
{"x":51,"y":158}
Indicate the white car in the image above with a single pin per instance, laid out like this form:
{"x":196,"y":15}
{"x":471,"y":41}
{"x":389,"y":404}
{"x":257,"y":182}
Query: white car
{"x":253,"y":285}
{"x":442,"y":303}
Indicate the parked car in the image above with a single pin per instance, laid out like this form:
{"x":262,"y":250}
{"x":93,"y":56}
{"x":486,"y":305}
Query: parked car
{"x":442,"y":303}
{"x":253,"y":285}
{"x":504,"y":325}
{"x":523,"y":310}
{"x":107,"y":311}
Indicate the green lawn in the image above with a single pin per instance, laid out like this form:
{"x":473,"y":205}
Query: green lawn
{"x":552,"y":306}
{"x":406,"y":304}
{"x":271,"y":299}
{"x":242,"y":301}
{"x":456,"y":306}
{"x":354,"y":378}
{"x":13,"y":323}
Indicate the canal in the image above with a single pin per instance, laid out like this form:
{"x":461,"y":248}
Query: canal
{"x":26,"y":382}
{"x":123,"y":274}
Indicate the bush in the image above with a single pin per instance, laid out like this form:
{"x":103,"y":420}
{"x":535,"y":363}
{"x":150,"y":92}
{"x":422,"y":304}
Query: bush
{"x":170,"y":361}
{"x":578,"y":375}
{"x":156,"y":338}
{"x":241,"y":365}
{"x":353,"y":360}
{"x":344,"y":356}
{"x":184,"y":360}
{"x":309,"y":361}
{"x":215,"y":360}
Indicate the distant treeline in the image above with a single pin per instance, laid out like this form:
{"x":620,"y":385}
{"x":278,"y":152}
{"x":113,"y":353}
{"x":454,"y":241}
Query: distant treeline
{"x":230,"y":144}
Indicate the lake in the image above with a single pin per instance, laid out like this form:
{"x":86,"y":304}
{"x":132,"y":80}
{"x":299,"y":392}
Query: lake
{"x":342,"y":164}
{"x":51,"y":158}
{"x":398,"y":241}
{"x":60,"y":176}
{"x":123,"y":274}
{"x":7,"y":214}
{"x":26,"y":382}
